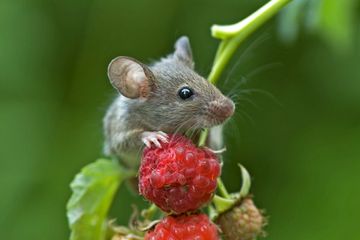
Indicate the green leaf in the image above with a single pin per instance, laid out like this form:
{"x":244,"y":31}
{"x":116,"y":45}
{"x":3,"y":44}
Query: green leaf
{"x":93,"y":190}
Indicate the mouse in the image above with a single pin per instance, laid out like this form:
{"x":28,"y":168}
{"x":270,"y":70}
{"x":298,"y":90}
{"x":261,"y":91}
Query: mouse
{"x":155,"y":100}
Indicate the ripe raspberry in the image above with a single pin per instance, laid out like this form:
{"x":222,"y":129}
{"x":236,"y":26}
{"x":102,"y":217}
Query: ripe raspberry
{"x":125,"y":237}
{"x":243,"y":222}
{"x":183,"y":227}
{"x":178,"y":177}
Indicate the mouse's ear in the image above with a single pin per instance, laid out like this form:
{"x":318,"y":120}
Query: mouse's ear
{"x":130,"y":77}
{"x":183,"y":51}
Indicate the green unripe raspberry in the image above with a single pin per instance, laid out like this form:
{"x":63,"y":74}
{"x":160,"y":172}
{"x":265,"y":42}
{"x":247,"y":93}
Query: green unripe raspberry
{"x":243,"y":222}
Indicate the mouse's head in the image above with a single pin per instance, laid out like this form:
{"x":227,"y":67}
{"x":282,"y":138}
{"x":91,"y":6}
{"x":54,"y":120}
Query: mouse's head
{"x":170,"y":94}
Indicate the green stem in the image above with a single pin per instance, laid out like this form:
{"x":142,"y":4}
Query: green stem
{"x":233,"y":35}
{"x":251,"y":23}
{"x":220,"y":49}
{"x":150,"y":212}
{"x":203,"y":136}
{"x":222,"y":189}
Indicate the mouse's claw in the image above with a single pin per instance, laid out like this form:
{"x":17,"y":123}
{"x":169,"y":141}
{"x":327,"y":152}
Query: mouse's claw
{"x":146,"y":142}
{"x":163,"y":136}
{"x":155,"y":138}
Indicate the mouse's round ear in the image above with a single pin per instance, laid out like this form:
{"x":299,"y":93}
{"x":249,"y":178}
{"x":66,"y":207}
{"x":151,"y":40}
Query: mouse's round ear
{"x":183,"y":51}
{"x":130,"y":77}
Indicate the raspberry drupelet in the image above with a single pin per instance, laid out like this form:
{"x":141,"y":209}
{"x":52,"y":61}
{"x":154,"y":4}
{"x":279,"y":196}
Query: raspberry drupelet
{"x":184,"y":227}
{"x":178,"y":177}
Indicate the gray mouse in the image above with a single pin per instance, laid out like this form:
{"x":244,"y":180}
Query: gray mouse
{"x":156,"y":100}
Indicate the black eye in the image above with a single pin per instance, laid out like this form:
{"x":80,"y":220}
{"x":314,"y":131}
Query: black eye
{"x":185,"y":93}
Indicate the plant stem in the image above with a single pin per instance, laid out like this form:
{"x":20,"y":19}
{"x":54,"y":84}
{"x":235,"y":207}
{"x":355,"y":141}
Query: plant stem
{"x":235,"y":34}
{"x":149,"y":212}
{"x":250,"y":23}
{"x":222,"y":189}
{"x":203,"y":137}
{"x":232,"y":36}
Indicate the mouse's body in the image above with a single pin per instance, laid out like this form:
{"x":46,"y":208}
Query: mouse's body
{"x":166,"y":97}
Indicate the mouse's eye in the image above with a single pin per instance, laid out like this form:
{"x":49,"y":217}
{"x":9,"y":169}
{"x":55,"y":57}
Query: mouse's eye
{"x":185,"y":93}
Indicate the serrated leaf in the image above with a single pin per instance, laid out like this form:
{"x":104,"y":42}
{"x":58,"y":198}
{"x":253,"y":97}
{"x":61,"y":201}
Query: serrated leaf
{"x":93,"y":190}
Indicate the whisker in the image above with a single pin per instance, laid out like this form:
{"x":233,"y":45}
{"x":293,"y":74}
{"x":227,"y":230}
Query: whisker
{"x":265,"y":93}
{"x":190,"y":132}
{"x":257,"y":42}
{"x":234,"y":88}
{"x":248,"y":100}
{"x":139,"y":151}
{"x":243,"y":80}
{"x":179,"y":127}
{"x":240,"y":115}
{"x":248,"y":117}
{"x":233,"y":130}
{"x":263,"y":68}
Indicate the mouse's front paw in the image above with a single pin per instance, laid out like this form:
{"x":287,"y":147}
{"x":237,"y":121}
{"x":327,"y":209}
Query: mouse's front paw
{"x":154,"y":137}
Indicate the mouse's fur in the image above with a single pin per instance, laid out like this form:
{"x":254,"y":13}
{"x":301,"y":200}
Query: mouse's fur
{"x":149,"y":100}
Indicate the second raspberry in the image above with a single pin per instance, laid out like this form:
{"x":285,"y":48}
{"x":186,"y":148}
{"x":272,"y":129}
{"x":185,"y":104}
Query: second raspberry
{"x":179,"y":177}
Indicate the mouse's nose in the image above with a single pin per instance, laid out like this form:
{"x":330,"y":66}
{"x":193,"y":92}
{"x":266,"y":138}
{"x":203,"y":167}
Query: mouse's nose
{"x":222,"y":109}
{"x":228,"y":108}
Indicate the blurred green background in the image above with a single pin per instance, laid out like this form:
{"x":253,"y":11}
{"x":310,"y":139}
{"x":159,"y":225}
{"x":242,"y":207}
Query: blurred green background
{"x":297,"y":126}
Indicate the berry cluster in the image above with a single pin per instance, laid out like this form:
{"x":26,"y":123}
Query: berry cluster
{"x":196,"y":226}
{"x":178,"y":177}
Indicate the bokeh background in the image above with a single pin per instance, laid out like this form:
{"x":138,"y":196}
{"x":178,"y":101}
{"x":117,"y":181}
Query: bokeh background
{"x":296,"y":81}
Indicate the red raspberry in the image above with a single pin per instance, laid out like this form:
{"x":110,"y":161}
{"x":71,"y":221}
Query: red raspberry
{"x":178,"y":177}
{"x":183,"y":227}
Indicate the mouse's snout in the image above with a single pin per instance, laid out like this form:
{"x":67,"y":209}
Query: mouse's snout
{"x":222,"y":109}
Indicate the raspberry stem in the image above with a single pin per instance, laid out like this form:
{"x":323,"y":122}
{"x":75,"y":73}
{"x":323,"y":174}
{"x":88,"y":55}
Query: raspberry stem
{"x":203,"y":137}
{"x":232,"y":36}
{"x":222,"y":188}
{"x":250,"y":23}
{"x":150,"y":212}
